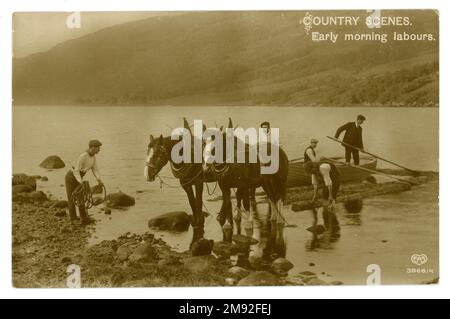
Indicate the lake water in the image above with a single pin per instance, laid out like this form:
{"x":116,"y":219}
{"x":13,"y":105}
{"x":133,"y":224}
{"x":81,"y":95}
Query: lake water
{"x":405,"y":135}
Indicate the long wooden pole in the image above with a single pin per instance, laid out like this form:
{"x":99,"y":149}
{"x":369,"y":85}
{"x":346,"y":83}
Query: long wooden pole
{"x":372,"y":171}
{"x":376,"y":156}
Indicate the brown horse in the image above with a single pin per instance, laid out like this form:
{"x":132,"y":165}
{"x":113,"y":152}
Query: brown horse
{"x":243,"y":176}
{"x":246,"y":177}
{"x":189,"y":175}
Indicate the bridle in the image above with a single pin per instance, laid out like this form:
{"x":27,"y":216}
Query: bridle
{"x":178,"y":171}
{"x":150,"y":165}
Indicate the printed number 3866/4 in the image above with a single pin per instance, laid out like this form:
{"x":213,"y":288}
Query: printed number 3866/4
{"x":419,"y":271}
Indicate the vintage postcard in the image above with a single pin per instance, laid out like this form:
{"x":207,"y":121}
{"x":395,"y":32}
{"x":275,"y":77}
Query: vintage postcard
{"x":225,"y":148}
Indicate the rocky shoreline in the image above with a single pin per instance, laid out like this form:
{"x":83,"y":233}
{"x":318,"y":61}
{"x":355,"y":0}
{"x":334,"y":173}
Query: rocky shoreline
{"x":45,"y":243}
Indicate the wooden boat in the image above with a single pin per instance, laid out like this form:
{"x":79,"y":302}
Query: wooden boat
{"x":298,"y":177}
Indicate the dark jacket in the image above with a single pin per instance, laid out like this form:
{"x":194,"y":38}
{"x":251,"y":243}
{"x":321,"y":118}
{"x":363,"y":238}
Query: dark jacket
{"x":353,"y":134}
{"x":306,"y":157}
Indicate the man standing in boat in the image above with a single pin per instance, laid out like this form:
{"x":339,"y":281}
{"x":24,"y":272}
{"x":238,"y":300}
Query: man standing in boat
{"x":353,"y":137}
{"x":310,"y":154}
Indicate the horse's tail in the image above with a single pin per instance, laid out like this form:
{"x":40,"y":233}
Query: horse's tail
{"x":282,"y":174}
{"x":275,"y":185}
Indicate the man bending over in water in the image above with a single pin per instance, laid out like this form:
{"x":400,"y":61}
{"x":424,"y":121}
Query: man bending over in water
{"x":326,"y":173}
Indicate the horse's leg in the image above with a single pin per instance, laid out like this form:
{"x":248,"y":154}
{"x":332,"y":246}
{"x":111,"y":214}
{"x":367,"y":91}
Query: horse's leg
{"x":199,"y":210}
{"x":273,"y":211}
{"x":191,"y":197}
{"x":221,"y":215}
{"x":252,"y":204}
{"x":227,"y":228}
{"x":276,"y":219}
{"x":240,"y":197}
{"x":243,"y":195}
{"x":280,"y":244}
{"x":253,"y":225}
{"x":270,"y":220}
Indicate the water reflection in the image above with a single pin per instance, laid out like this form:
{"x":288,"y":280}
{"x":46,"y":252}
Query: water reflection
{"x":323,"y":235}
{"x":269,"y":234}
{"x":352,"y":219}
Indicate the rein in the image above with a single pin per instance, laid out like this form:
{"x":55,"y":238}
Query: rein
{"x":161,"y":180}
{"x":82,"y":195}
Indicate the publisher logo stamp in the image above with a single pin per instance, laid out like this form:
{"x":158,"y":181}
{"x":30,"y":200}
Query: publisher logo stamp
{"x":419,"y":260}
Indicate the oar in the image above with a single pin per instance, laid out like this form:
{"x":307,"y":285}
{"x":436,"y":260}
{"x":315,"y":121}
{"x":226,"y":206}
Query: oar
{"x":373,"y":155}
{"x":371,"y":171}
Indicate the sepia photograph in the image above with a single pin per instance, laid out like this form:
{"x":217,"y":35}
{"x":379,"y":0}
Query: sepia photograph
{"x":225,"y":148}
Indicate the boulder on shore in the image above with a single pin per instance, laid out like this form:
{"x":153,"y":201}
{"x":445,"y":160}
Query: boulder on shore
{"x":353,"y":206}
{"x":124,"y":251}
{"x":202,"y":247}
{"x":22,"y":179}
{"x":34,"y":196}
{"x":315,"y":282}
{"x":61,"y":213}
{"x":173,"y":221}
{"x":281,"y":266}
{"x":60,"y":204}
{"x":143,"y":253}
{"x":238,"y":272}
{"x":244,"y":240}
{"x":119,"y":200}
{"x":52,"y":162}
{"x":260,"y":278}
{"x":225,"y":250}
{"x":16,"y":189}
{"x":200,"y":264}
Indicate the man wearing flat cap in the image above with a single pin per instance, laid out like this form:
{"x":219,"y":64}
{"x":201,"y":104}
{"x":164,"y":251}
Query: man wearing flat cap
{"x":310,"y":152}
{"x":74,"y":177}
{"x":353,"y":137}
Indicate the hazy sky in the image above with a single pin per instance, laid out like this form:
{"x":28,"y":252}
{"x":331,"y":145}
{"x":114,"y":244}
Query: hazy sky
{"x":40,"y":31}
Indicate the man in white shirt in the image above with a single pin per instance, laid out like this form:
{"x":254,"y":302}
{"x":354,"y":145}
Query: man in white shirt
{"x":74,"y":177}
{"x":323,"y":172}
{"x":328,"y":173}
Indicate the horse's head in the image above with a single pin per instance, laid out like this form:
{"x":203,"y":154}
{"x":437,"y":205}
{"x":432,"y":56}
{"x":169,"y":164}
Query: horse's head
{"x":158,"y":155}
{"x":215,"y":151}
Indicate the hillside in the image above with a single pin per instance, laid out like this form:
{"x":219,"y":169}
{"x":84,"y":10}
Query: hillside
{"x":245,"y":58}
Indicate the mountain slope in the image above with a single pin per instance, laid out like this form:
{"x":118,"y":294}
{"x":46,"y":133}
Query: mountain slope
{"x":256,"y":58}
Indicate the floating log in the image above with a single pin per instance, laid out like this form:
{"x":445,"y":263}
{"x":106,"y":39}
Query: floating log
{"x":348,"y":193}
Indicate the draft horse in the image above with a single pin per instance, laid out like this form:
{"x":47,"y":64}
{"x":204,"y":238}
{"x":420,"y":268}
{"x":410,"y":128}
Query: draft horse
{"x":189,"y":175}
{"x":246,"y":177}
